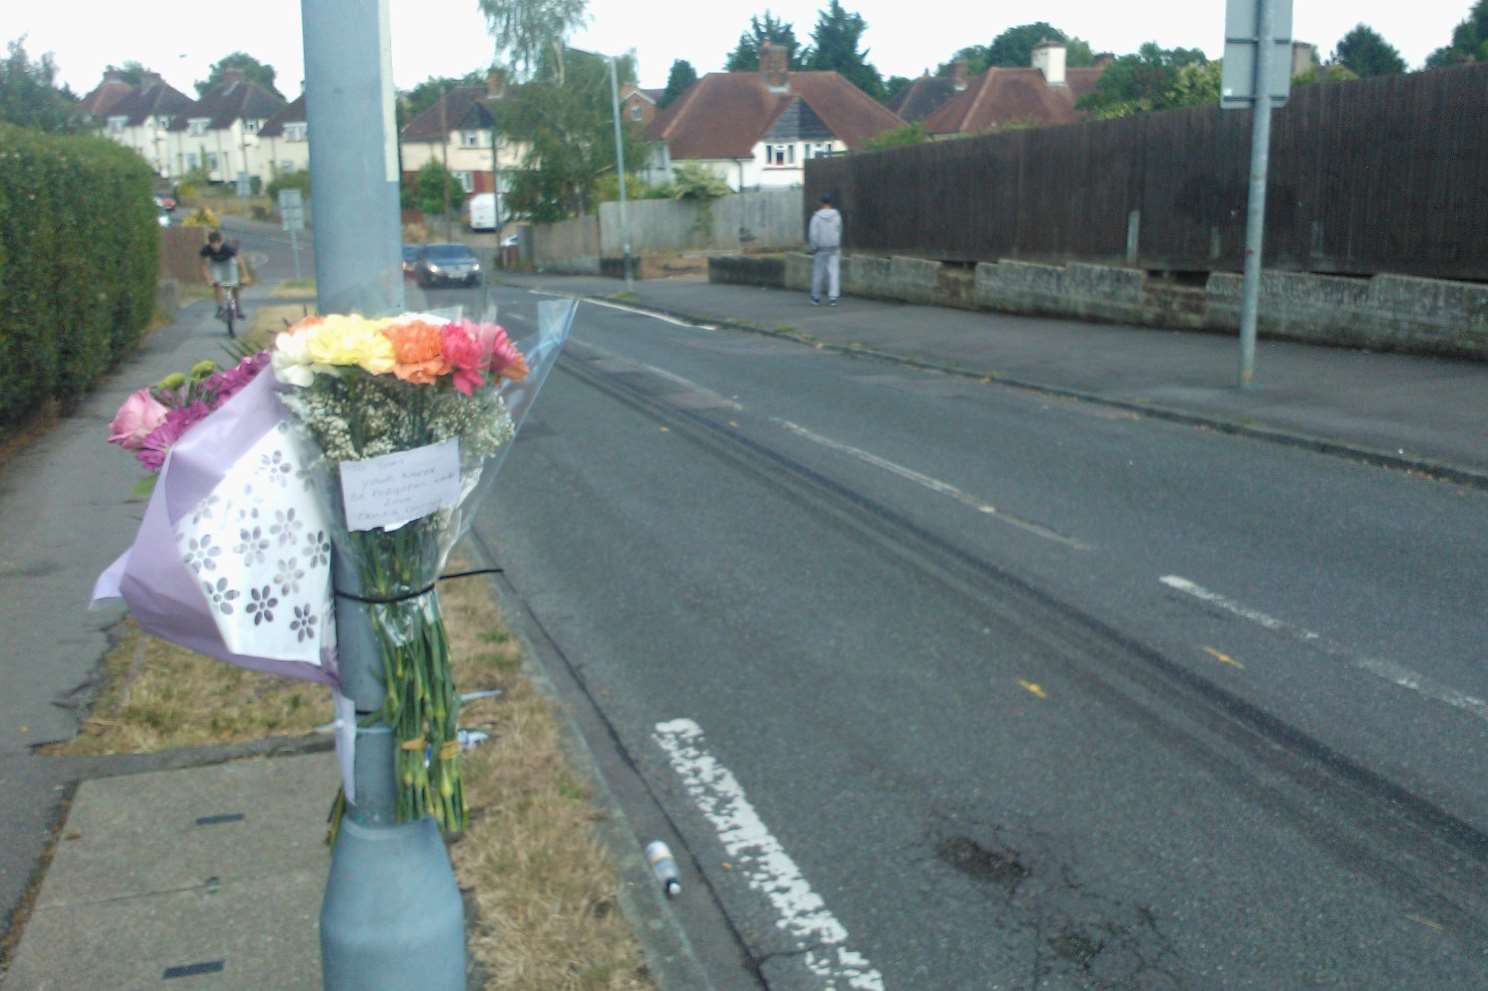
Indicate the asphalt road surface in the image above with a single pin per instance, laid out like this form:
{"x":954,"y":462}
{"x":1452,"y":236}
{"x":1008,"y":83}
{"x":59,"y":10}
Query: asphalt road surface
{"x":935,"y":684}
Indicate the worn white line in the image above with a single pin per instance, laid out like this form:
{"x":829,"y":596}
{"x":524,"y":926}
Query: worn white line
{"x":933,"y":484}
{"x":627,"y":309}
{"x":1395,"y":674}
{"x":758,"y":855}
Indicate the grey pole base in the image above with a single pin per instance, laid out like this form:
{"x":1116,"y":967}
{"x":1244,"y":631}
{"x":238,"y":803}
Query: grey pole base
{"x":392,"y":919}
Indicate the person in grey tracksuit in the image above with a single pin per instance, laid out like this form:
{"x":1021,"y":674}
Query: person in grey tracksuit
{"x":824,"y":239}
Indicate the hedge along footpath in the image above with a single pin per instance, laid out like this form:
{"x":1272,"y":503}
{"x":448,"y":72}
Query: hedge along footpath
{"x":79,"y":257}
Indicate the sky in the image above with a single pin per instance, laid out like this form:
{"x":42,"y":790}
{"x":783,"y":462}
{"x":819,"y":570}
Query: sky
{"x":179,"y":39}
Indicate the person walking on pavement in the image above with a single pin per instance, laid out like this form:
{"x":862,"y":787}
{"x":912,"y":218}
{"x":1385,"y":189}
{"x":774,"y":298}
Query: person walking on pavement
{"x":824,"y":240}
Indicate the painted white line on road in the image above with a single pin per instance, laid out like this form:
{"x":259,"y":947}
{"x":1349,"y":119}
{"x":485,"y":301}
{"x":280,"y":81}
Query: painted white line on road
{"x":1395,"y":674}
{"x":763,"y":862}
{"x":933,"y":484}
{"x":627,"y":309}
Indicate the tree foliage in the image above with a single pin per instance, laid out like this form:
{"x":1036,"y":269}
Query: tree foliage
{"x":834,"y":48}
{"x":429,"y":188}
{"x":1469,"y":40}
{"x":1152,"y":79}
{"x":694,"y":181}
{"x":427,"y":93}
{"x":29,"y":95}
{"x":1013,"y":49}
{"x":899,"y":137}
{"x":568,"y":130}
{"x":682,"y":76}
{"x":1367,"y":54}
{"x":895,"y":85}
{"x":131,"y":72}
{"x":253,"y":70}
{"x":746,"y":54}
{"x":532,"y":34}
{"x":1333,"y":73}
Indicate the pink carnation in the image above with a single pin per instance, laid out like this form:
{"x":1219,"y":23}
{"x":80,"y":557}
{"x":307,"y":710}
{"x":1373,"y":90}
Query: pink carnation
{"x":157,"y":445}
{"x":222,"y":386}
{"x":140,"y":414}
{"x":463,"y":352}
{"x":505,"y":360}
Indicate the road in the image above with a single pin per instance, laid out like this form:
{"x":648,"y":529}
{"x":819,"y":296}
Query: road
{"x":934,"y":684}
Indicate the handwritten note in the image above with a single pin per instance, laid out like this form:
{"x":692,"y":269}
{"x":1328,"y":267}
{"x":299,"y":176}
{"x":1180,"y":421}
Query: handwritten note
{"x":396,"y":488}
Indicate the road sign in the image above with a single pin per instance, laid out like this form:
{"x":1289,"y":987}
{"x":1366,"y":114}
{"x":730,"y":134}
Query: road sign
{"x":292,"y":209}
{"x":1237,"y":88}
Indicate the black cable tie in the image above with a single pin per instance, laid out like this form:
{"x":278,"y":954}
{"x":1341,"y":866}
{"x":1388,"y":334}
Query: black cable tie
{"x":377,"y":601}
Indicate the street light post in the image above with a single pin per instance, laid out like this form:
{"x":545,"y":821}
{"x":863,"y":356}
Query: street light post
{"x":1255,"y":206}
{"x":620,"y":171}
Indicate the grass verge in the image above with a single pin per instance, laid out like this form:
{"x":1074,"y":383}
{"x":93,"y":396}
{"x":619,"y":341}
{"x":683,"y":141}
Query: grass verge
{"x":547,"y":917}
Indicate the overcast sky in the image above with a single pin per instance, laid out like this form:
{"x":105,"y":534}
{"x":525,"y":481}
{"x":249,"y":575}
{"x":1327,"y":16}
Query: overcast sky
{"x":182,"y":38}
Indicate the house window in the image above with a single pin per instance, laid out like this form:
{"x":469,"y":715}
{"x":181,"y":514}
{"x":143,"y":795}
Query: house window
{"x":295,"y":132}
{"x":472,"y":139}
{"x":252,"y":126}
{"x":776,"y":154}
{"x":286,"y":166}
{"x":636,"y":111}
{"x":191,"y":160}
{"x":197,"y":126}
{"x":164,"y":122}
{"x":211,"y":161}
{"x":466,"y":181}
{"x":116,"y":125}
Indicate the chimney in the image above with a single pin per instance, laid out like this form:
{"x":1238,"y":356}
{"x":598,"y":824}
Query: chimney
{"x":230,"y":76}
{"x":1048,"y":58}
{"x":958,"y":74}
{"x":113,"y":77}
{"x":148,"y":79}
{"x":495,"y":84}
{"x":1304,"y":58}
{"x":775,"y":66}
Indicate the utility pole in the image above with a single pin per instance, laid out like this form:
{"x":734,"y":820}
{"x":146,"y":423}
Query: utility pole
{"x":620,"y":171}
{"x":392,"y":918}
{"x":444,"y":150}
{"x":1255,"y":204}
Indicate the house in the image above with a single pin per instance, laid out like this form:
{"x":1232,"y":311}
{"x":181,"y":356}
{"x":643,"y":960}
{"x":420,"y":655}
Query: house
{"x":220,"y":133}
{"x":101,"y":100}
{"x":143,"y":120}
{"x":457,"y":131}
{"x":284,"y":142}
{"x":639,"y":105}
{"x":758,"y":129}
{"x":928,"y":93}
{"x":1044,"y":93}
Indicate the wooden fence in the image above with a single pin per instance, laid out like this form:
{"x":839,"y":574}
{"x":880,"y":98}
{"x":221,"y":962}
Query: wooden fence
{"x":1380,"y":175}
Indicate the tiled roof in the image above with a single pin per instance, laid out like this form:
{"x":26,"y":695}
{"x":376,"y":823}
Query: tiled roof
{"x":464,"y":106}
{"x":922,"y":97}
{"x":159,"y":99}
{"x":293,"y":113}
{"x":105,"y":96}
{"x":654,"y":95}
{"x":1008,"y":96}
{"x":240,"y":99}
{"x":724,"y":114}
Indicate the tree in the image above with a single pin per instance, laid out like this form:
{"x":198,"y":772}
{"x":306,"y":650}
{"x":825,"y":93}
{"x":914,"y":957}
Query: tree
{"x":745,"y":56}
{"x":430,"y":186}
{"x":834,"y":48}
{"x":1148,"y":80}
{"x":1469,"y":40}
{"x":682,"y":76}
{"x":131,"y":72}
{"x":253,"y":70}
{"x":529,"y":33}
{"x":895,"y":85}
{"x":909,"y":134}
{"x":568,"y":130}
{"x":1332,"y":73}
{"x":29,"y":95}
{"x":1013,"y":49}
{"x":1365,"y":53}
{"x":694,"y":181}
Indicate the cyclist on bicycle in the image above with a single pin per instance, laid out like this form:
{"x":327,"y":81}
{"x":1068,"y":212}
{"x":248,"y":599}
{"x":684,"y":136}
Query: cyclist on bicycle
{"x":220,"y":268}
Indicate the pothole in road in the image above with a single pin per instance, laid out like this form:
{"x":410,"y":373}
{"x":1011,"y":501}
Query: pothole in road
{"x":981,"y":863}
{"x":1077,"y":948}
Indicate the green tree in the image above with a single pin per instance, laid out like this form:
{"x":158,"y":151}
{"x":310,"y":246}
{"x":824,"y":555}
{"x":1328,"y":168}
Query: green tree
{"x":253,"y":70}
{"x":1148,"y":80}
{"x":533,"y":33}
{"x":834,"y":48}
{"x":132,"y":72}
{"x":429,"y":189}
{"x":895,"y":85}
{"x":693,"y":181}
{"x":1367,"y":54}
{"x":568,"y":130}
{"x":909,"y":134}
{"x":29,"y":95}
{"x":745,"y":56}
{"x":1332,"y":73}
{"x":1469,"y":40}
{"x":682,"y":76}
{"x":1013,"y":49}
{"x":427,"y":93}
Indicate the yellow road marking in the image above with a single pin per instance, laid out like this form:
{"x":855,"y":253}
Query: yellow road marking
{"x":1224,"y":658}
{"x":666,"y":430}
{"x":1425,"y":922}
{"x":1033,"y":688}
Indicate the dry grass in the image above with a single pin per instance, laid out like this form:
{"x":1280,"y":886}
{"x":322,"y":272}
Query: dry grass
{"x":547,"y":917}
{"x":266,"y":321}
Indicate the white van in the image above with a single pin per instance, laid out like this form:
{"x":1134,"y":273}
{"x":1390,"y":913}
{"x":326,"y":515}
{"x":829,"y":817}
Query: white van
{"x":480,"y":212}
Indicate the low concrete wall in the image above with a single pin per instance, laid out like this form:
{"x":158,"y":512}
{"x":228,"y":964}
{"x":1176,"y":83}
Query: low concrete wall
{"x":570,"y":246}
{"x":1384,"y":313}
{"x":768,"y":219}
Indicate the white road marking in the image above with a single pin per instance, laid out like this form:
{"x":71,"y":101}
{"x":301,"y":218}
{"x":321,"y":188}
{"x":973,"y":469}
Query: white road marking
{"x":933,"y":484}
{"x":1395,"y":674}
{"x":628,"y":309}
{"x":764,"y":863}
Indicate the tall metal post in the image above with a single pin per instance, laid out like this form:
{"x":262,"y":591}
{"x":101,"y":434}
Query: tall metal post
{"x":392,"y":917}
{"x":620,"y":170}
{"x":1255,"y":207}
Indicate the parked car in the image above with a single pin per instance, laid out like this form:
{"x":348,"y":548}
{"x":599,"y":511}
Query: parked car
{"x":166,"y":203}
{"x":446,"y":264}
{"x":410,"y":258}
{"x":163,"y":217}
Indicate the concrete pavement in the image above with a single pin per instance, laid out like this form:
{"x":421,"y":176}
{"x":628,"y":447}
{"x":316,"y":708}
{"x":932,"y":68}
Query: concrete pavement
{"x":1409,"y":412}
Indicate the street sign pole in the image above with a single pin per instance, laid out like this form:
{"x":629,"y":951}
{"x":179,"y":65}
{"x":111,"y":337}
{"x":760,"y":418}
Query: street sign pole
{"x":1255,"y":207}
{"x":620,"y":169}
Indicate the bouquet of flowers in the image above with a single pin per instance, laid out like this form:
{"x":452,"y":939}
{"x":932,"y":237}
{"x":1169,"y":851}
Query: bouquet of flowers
{"x":402,"y":415}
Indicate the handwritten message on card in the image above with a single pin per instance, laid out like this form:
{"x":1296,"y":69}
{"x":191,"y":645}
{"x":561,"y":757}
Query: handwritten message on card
{"x":396,"y":488}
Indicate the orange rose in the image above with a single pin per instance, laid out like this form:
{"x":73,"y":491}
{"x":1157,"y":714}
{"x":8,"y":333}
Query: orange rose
{"x":418,"y":352}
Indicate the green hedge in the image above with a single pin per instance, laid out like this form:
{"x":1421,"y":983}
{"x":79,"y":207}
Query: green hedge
{"x":79,"y":260}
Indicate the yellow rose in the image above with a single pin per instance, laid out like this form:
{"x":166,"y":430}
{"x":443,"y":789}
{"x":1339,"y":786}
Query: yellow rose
{"x":350,"y":340}
{"x":377,"y":358}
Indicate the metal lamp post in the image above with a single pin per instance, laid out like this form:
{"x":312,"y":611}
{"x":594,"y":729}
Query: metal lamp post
{"x":392,"y":917}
